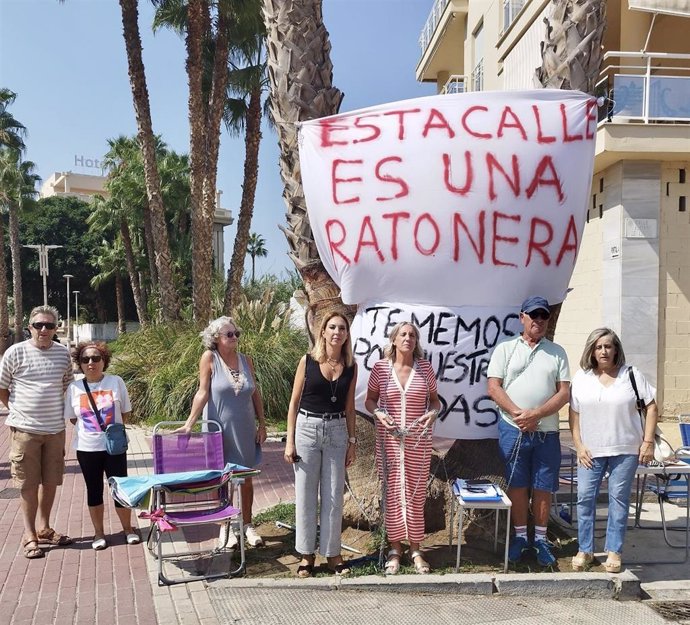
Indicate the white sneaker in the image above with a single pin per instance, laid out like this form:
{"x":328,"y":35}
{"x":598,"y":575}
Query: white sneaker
{"x":253,"y":539}
{"x":227,"y":538}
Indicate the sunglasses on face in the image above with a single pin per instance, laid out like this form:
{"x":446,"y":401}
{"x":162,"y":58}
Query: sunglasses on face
{"x":39,"y":325}
{"x":539,"y":314}
{"x":231,"y":334}
{"x":85,"y":360}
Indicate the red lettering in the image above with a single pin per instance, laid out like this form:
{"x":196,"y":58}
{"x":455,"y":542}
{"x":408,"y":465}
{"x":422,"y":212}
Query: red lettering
{"x":545,"y":164}
{"x":441,"y":123}
{"x":567,"y":246}
{"x":567,"y":138}
{"x":404,"y":189}
{"x":477,"y":244}
{"x":376,"y":131}
{"x":329,"y":126}
{"x":437,"y":235}
{"x":514,"y":183}
{"x":335,"y":245}
{"x":514,"y":124}
{"x":401,"y":120}
{"x":499,"y":238}
{"x":371,"y":242}
{"x":335,"y":180}
{"x":589,"y":118}
{"x":394,"y":230}
{"x":539,"y":245}
{"x":541,"y":138}
{"x":468,"y":130}
{"x":469,"y":174}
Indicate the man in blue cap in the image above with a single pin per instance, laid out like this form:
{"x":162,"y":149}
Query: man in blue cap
{"x":529,"y":380}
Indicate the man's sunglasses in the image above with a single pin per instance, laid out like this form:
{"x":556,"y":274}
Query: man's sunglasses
{"x":85,"y":360}
{"x":39,"y":325}
{"x":231,"y":334}
{"x":539,"y":314}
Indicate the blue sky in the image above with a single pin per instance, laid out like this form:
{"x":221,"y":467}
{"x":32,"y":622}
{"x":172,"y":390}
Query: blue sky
{"x":67,"y":64}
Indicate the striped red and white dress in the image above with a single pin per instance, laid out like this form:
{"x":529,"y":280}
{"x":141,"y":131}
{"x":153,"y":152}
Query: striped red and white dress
{"x":406,"y":460}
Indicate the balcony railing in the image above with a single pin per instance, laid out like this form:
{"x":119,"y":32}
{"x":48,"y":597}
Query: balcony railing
{"x":454,"y":84}
{"x":431,"y":23}
{"x":511,"y":8}
{"x":477,"y":78}
{"x":640,"y":88}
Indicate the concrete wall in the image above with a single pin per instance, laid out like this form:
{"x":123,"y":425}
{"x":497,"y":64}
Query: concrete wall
{"x":101,"y":331}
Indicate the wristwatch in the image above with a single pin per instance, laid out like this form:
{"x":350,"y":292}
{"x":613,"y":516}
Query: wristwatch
{"x":352,"y":440}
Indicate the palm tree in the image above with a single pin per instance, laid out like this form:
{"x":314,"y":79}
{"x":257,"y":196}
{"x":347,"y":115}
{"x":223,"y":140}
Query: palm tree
{"x":247,"y":82}
{"x":12,"y":132}
{"x":256,"y":246}
{"x":301,"y":78}
{"x":112,"y":266}
{"x":572,"y":53}
{"x":18,"y":184}
{"x":169,"y":300}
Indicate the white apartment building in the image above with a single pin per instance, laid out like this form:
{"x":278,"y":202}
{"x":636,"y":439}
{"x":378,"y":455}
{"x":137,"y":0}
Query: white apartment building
{"x":633,"y":270}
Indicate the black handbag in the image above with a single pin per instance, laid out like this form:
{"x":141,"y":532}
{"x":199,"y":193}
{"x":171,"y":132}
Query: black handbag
{"x":115,"y":433}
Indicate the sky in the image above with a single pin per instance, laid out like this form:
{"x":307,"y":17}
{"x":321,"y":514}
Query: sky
{"x":67,"y":64}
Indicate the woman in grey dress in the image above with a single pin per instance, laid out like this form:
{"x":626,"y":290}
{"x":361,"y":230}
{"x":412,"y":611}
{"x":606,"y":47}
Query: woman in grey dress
{"x":228,"y":394}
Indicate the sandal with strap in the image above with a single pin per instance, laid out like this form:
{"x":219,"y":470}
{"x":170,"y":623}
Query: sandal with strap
{"x":613,"y":563}
{"x":32,"y":552}
{"x":52,"y":537}
{"x":306,"y":566}
{"x":421,"y":566}
{"x":338,"y":567}
{"x":392,"y":562}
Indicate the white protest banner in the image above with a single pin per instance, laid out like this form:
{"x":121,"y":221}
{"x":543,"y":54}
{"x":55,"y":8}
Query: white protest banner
{"x":458,"y":342}
{"x":468,"y":199}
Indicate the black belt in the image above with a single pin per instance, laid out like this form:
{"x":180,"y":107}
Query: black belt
{"x":326,"y":416}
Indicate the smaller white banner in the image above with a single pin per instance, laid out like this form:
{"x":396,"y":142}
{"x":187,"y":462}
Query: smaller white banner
{"x":458,"y":342}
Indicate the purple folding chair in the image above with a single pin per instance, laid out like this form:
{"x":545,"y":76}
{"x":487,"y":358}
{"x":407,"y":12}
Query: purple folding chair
{"x":207,"y":503}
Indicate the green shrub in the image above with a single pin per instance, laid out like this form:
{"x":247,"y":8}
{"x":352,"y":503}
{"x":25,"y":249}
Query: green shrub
{"x":160,"y":365}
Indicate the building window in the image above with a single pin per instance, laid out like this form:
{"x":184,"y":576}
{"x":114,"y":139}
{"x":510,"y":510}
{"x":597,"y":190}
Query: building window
{"x":477,"y":78}
{"x":511,"y":8}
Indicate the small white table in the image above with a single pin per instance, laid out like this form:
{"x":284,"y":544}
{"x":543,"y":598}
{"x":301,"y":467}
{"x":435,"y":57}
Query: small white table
{"x":467,"y":504}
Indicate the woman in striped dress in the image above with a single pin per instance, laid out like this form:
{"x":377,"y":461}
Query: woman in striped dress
{"x":403,"y":398}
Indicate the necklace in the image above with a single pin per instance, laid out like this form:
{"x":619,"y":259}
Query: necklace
{"x":235,"y":377}
{"x":334,"y":389}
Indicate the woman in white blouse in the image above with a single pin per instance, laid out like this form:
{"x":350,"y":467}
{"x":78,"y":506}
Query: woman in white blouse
{"x":609,"y":437}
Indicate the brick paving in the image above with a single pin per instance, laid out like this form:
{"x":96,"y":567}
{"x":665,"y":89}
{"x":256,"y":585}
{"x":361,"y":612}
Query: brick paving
{"x":77,"y":585}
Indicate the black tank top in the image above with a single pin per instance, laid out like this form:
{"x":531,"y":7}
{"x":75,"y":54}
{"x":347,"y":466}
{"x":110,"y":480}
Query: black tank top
{"x":317,"y":392}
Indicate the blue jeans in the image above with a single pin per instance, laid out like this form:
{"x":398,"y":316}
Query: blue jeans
{"x":322,"y":446}
{"x":621,"y":474}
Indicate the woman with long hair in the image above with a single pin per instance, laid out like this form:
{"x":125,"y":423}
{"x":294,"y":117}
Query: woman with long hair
{"x":609,"y":438}
{"x":321,"y":442}
{"x":228,"y":393}
{"x":402,"y":395}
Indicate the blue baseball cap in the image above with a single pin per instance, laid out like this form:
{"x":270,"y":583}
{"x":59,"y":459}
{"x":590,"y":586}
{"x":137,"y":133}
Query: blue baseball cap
{"x":534,"y":303}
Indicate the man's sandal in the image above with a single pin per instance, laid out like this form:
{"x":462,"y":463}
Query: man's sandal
{"x":52,"y":537}
{"x":392,"y":562}
{"x":420,"y":564}
{"x":32,"y":552}
{"x":306,"y":566}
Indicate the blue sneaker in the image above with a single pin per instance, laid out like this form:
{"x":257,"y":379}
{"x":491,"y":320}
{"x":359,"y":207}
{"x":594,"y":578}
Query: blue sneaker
{"x":544,"y":555}
{"x":518,"y":546}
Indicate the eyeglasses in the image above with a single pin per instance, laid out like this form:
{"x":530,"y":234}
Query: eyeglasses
{"x":539,"y":314}
{"x":85,"y":360}
{"x":231,"y":334}
{"x":39,"y":325}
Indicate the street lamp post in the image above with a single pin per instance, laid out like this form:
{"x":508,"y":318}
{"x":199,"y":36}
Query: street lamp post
{"x":43,"y":265}
{"x":76,"y":316}
{"x":67,"y":276}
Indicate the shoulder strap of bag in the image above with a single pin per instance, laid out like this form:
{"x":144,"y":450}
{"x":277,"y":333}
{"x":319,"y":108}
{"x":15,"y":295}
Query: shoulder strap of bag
{"x":96,"y":411}
{"x":639,"y":402}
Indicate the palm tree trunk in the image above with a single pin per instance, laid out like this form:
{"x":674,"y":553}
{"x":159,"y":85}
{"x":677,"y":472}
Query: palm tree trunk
{"x":169,"y":299}
{"x":150,"y":249}
{"x":4,"y":313}
{"x":120,"y":301}
{"x":15,"y":249}
{"x":252,"y":141}
{"x":132,"y":271}
{"x":301,"y":78}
